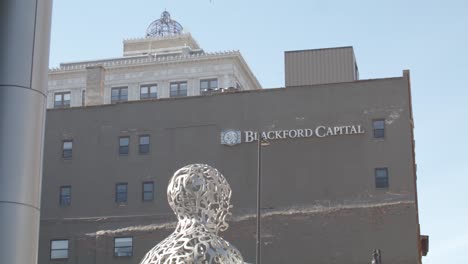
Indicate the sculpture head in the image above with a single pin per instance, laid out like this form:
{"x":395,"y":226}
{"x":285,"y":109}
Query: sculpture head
{"x":200,"y":192}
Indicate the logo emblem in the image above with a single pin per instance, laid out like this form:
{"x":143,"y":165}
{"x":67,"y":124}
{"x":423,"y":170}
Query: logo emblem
{"x":230,"y":137}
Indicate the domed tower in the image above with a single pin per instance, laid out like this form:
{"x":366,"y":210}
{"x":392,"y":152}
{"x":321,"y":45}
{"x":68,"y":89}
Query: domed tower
{"x":165,"y":26}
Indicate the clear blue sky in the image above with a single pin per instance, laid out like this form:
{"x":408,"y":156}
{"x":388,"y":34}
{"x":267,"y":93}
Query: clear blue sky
{"x":428,"y":37}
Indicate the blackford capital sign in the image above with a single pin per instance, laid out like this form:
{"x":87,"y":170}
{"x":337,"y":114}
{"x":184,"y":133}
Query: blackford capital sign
{"x":233,"y":137}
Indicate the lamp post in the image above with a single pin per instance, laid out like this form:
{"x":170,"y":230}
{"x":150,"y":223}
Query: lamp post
{"x":260,"y":142}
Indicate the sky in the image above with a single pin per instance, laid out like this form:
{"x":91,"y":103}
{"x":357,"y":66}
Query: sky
{"x":430,"y":38}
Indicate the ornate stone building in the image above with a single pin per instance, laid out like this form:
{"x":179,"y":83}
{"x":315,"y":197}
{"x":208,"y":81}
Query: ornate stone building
{"x":165,"y":63}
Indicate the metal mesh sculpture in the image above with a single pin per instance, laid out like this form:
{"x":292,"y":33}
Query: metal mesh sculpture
{"x":164,"y":26}
{"x":199,"y":195}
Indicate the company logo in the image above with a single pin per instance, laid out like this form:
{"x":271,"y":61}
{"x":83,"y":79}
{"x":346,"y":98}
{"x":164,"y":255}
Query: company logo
{"x":230,"y":137}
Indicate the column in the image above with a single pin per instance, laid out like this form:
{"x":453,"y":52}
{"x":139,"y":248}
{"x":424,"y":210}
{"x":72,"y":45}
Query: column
{"x":24,"y":53}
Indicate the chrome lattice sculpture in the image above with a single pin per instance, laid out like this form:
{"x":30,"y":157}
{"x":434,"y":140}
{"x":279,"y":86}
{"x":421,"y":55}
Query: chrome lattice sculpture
{"x":199,"y":195}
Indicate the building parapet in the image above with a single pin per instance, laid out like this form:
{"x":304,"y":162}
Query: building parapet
{"x":137,"y":60}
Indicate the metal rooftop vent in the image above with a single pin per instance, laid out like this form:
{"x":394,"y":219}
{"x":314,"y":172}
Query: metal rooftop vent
{"x":164,"y":26}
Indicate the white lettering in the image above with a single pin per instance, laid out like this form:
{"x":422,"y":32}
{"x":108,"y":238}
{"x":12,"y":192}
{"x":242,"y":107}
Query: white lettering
{"x":291,"y":134}
{"x":271,"y":134}
{"x":360,"y":131}
{"x":336,"y":130}
{"x":318,"y":129}
{"x":300,"y":133}
{"x":341,"y":130}
{"x":249,"y":136}
{"x":278,"y":135}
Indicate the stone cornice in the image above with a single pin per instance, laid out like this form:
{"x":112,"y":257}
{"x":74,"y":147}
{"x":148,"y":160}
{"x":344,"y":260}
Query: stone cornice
{"x":143,"y":60}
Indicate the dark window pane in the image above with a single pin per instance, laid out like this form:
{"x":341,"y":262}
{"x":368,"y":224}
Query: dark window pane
{"x":379,"y":128}
{"x":62,"y":99}
{"x":124,"y":145}
{"x":379,"y":124}
{"x":148,"y":187}
{"x":144,"y":140}
{"x":144,"y":148}
{"x":178,"y":89}
{"x":148,"y":190}
{"x":65,"y":190}
{"x":148,"y":196}
{"x":204,"y":84}
{"x":115,"y":92}
{"x":67,"y":145}
{"x":122,"y":187}
{"x":123,"y":92}
{"x":123,"y":247}
{"x":154,"y":91}
{"x":67,"y":153}
{"x":214,"y":84}
{"x":67,"y":148}
{"x":381,"y":178}
{"x":124,"y":141}
{"x":121,"y":193}
{"x":379,"y":133}
{"x":65,"y":195}
{"x":59,"y":249}
{"x":65,"y":200}
{"x":59,"y":254}
{"x":123,"y":150}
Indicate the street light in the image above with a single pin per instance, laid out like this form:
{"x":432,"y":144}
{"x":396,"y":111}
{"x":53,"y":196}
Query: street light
{"x":260,"y":142}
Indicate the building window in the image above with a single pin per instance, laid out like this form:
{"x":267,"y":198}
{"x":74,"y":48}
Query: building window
{"x":148,"y":191}
{"x":148,"y":91}
{"x":381,"y":178}
{"x":67,"y":149}
{"x":121,"y":192}
{"x":379,"y":128}
{"x":65,"y":195}
{"x":62,"y":99}
{"x":123,"y":246}
{"x":119,"y":94}
{"x":124,"y":145}
{"x":208,"y":85}
{"x":178,"y":89}
{"x":59,"y":249}
{"x":144,"y":145}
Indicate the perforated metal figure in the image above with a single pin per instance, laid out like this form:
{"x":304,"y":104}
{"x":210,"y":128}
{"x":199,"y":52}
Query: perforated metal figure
{"x":376,"y":258}
{"x":199,"y":195}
